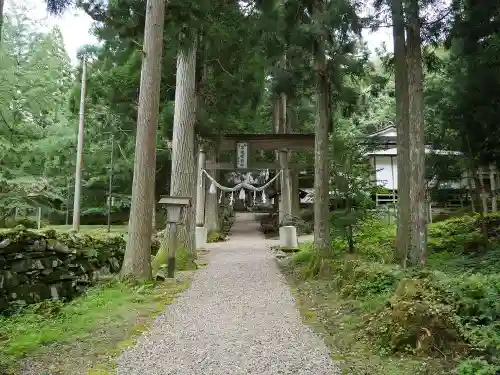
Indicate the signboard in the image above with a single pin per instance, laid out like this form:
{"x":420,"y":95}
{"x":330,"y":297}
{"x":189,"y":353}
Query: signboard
{"x":242,"y":155}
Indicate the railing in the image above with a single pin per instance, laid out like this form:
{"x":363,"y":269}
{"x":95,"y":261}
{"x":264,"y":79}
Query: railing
{"x":386,"y":198}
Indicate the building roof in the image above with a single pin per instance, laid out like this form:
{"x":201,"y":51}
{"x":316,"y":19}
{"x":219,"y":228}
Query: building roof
{"x":388,"y":131}
{"x":428,"y":150}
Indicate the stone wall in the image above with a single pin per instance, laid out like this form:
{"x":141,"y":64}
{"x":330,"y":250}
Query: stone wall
{"x":41,"y":265}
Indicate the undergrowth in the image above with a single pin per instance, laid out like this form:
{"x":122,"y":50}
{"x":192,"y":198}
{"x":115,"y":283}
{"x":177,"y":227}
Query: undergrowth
{"x":381,"y":319}
{"x":113,"y":309}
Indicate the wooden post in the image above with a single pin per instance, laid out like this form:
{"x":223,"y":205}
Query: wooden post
{"x":212,"y":200}
{"x":200,"y":190}
{"x":79,"y":152}
{"x":493,"y":188}
{"x":286,"y":203}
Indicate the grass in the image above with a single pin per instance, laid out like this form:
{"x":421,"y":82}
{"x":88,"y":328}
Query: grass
{"x":123,"y":229}
{"x":340,"y":320}
{"x":90,"y":331}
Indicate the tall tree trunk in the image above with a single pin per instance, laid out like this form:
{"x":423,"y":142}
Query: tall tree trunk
{"x":183,"y":175}
{"x":493,"y":189}
{"x":183,"y":178}
{"x":418,"y":245}
{"x":1,"y":19}
{"x":482,"y":190}
{"x":402,"y":129}
{"x":291,"y":120}
{"x":276,"y":126}
{"x":212,"y":200}
{"x":478,"y":190}
{"x":321,"y":173}
{"x":470,"y":179}
{"x":137,"y":260}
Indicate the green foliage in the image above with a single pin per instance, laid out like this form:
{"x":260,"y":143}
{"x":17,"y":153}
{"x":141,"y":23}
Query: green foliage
{"x":184,"y":261}
{"x":416,"y":320}
{"x":451,"y":308}
{"x":24,"y":221}
{"x":215,"y":236}
{"x":374,"y":239}
{"x":476,"y":367}
{"x":463,"y":234}
{"x":54,"y":322}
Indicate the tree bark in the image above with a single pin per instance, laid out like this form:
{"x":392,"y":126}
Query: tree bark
{"x":321,"y":173}
{"x":137,"y":260}
{"x":493,"y":189}
{"x":470,"y":179}
{"x":418,"y":244}
{"x":402,"y":129}
{"x":277,"y":184}
{"x":183,"y":175}
{"x":478,"y":189}
{"x":1,"y":19}
{"x":153,"y":221}
{"x":482,"y":191}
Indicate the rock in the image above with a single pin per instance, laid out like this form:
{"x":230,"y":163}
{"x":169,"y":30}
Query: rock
{"x":9,"y":280}
{"x":25,"y":265}
{"x":35,"y":266}
{"x":5,"y":243}
{"x":58,"y":275}
{"x":38,"y":245}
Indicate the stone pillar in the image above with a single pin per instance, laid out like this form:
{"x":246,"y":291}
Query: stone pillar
{"x":201,"y":231}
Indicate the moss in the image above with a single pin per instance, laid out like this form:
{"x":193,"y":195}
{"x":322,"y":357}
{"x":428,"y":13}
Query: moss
{"x":216,"y":236}
{"x":104,"y":321}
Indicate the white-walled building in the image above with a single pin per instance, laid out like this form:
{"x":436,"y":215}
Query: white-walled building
{"x":384,"y":160}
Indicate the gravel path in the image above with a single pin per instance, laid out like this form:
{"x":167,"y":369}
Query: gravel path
{"x":238,"y":317}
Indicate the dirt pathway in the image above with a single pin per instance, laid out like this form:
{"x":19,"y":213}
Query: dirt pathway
{"x":238,"y":317}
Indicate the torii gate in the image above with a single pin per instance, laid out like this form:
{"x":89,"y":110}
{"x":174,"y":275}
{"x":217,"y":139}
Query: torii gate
{"x":244,"y":145}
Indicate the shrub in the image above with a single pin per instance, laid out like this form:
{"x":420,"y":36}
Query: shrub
{"x":459,"y":235}
{"x":476,"y":367}
{"x":304,"y":262}
{"x":363,"y":278}
{"x":375,"y":239}
{"x":215,"y":236}
{"x":24,"y":221}
{"x":463,"y":234}
{"x":416,"y":320}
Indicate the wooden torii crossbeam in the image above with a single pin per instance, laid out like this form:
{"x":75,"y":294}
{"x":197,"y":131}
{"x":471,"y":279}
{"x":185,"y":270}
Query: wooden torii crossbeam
{"x":244,"y":144}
